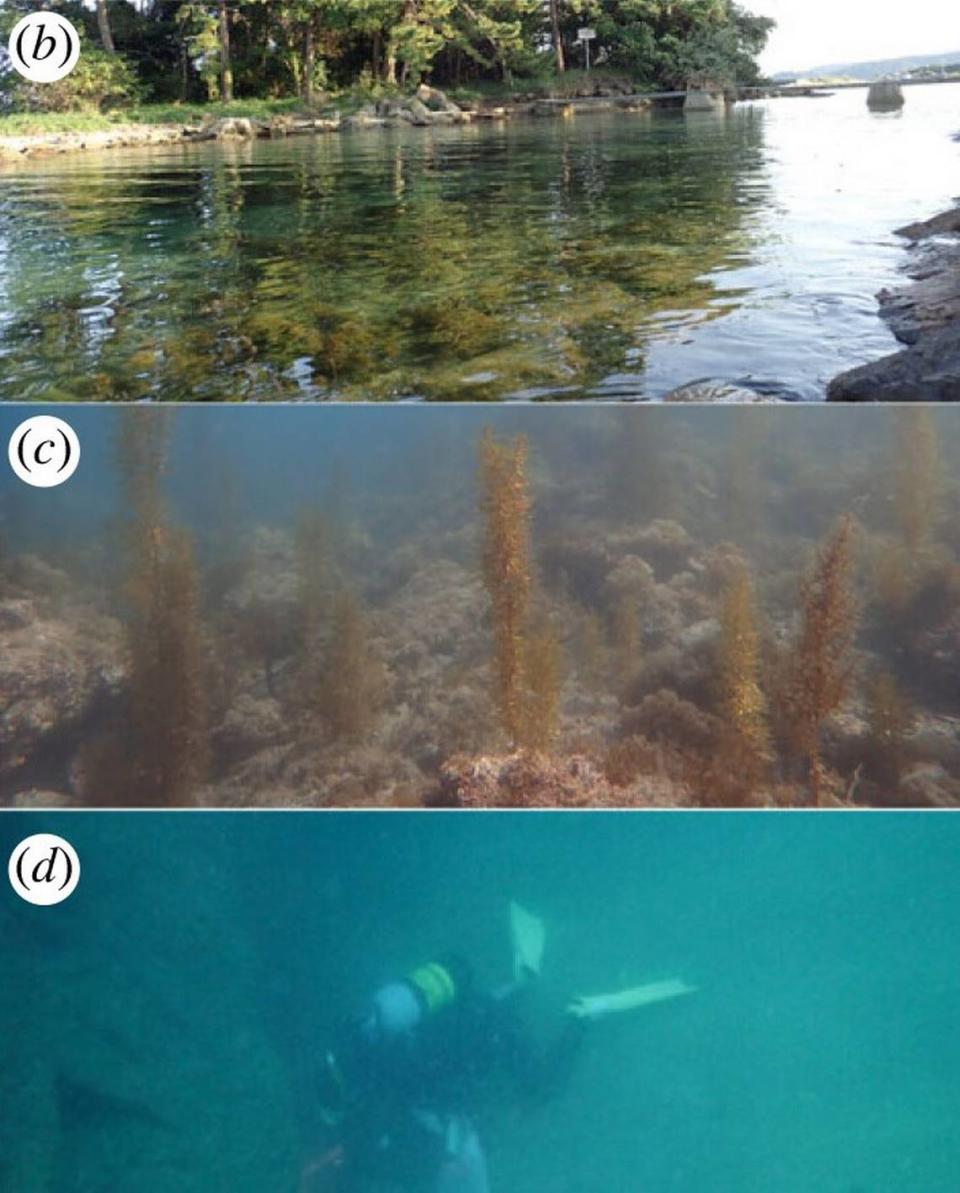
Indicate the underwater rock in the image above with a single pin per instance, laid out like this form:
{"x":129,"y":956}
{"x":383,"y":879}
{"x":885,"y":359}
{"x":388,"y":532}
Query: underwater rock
{"x":666,"y":717}
{"x":35,"y":798}
{"x":524,"y":780}
{"x":720,"y":393}
{"x":665,"y":544}
{"x":250,"y":725}
{"x":937,"y":739}
{"x":929,"y":786}
{"x":145,"y":1059}
{"x":631,"y":576}
{"x":57,"y":664}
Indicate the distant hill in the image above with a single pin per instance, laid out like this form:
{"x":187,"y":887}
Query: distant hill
{"x":875,"y":70}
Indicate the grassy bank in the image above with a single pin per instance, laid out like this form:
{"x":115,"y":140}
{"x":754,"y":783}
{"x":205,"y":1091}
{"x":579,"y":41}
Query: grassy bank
{"x":25,"y":124}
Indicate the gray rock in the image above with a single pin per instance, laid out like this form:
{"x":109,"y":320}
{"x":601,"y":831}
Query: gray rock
{"x":885,"y":97}
{"x":703,"y":101}
{"x":546,"y":107}
{"x":932,"y":300}
{"x":362,"y":120}
{"x":422,"y":116}
{"x":436,"y":101}
{"x":720,"y":393}
{"x":927,"y":372}
{"x":940,"y":225}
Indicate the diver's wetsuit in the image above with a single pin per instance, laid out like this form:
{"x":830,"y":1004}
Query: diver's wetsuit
{"x":412,"y":1085}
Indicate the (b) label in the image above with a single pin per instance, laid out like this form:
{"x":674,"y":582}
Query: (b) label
{"x":44,"y":47}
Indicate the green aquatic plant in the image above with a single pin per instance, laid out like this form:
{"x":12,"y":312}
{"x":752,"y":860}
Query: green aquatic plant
{"x":890,"y":719}
{"x":918,"y":473}
{"x":591,"y":648}
{"x":742,"y":488}
{"x":625,"y":636}
{"x":743,"y":707}
{"x":506,"y":569}
{"x":167,"y":694}
{"x":353,"y":680}
{"x":313,"y":549}
{"x":819,"y":668}
{"x":543,"y":681}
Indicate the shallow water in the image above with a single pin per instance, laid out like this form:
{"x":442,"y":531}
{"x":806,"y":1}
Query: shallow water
{"x":607,"y":256}
{"x":168,"y":1039}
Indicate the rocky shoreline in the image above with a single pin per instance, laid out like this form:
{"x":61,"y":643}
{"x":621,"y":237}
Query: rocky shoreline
{"x":924,"y":315}
{"x":428,"y":108}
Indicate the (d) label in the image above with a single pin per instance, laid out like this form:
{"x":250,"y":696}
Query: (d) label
{"x":44,"y":869}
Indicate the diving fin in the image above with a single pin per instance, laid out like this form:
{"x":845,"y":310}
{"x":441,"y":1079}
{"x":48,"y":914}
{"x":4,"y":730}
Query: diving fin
{"x":527,"y":938}
{"x":597,"y":1006}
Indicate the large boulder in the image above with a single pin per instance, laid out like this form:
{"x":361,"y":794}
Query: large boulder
{"x":58,"y":663}
{"x":436,"y":101}
{"x":229,"y":128}
{"x":421,"y":114}
{"x":704,"y":101}
{"x":927,"y":372}
{"x":719,"y":393}
{"x":885,"y":97}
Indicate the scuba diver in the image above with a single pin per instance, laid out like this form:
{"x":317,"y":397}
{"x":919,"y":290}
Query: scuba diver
{"x":400,"y":1087}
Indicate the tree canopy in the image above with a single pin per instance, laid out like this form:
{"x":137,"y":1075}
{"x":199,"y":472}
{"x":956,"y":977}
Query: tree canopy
{"x":275,"y":49}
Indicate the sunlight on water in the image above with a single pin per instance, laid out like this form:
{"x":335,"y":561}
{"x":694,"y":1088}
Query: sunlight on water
{"x":610,"y":255}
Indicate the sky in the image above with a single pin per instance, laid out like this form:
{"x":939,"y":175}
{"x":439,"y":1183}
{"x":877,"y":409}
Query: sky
{"x":821,"y":32}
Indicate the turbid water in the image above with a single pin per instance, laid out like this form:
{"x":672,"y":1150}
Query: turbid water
{"x":201,"y":610}
{"x":163,"y":1027}
{"x":610,"y":255}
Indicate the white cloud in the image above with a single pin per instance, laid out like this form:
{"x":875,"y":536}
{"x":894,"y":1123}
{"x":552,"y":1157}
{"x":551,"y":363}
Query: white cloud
{"x":817,"y":32}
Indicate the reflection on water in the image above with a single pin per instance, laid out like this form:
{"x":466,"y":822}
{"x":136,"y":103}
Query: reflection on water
{"x":606,"y":255}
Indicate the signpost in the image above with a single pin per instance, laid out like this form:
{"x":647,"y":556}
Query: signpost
{"x":587,"y":36}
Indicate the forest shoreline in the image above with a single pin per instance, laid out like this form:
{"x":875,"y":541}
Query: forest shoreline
{"x":427,"y":108}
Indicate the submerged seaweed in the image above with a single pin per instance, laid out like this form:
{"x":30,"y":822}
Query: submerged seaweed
{"x":392,"y":628}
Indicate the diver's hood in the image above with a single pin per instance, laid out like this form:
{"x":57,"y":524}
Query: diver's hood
{"x":396,"y":1012}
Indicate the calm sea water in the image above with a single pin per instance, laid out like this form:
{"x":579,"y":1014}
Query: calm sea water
{"x":161,"y":1026}
{"x":607,"y":256}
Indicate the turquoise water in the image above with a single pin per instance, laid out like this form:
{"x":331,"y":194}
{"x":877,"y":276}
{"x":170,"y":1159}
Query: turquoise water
{"x":160,"y":1027}
{"x":611,"y":255}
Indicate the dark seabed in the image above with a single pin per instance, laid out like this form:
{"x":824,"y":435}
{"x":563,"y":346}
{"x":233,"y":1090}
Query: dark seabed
{"x":301,"y":606}
{"x":163,"y":1026}
{"x":607,"y":256}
